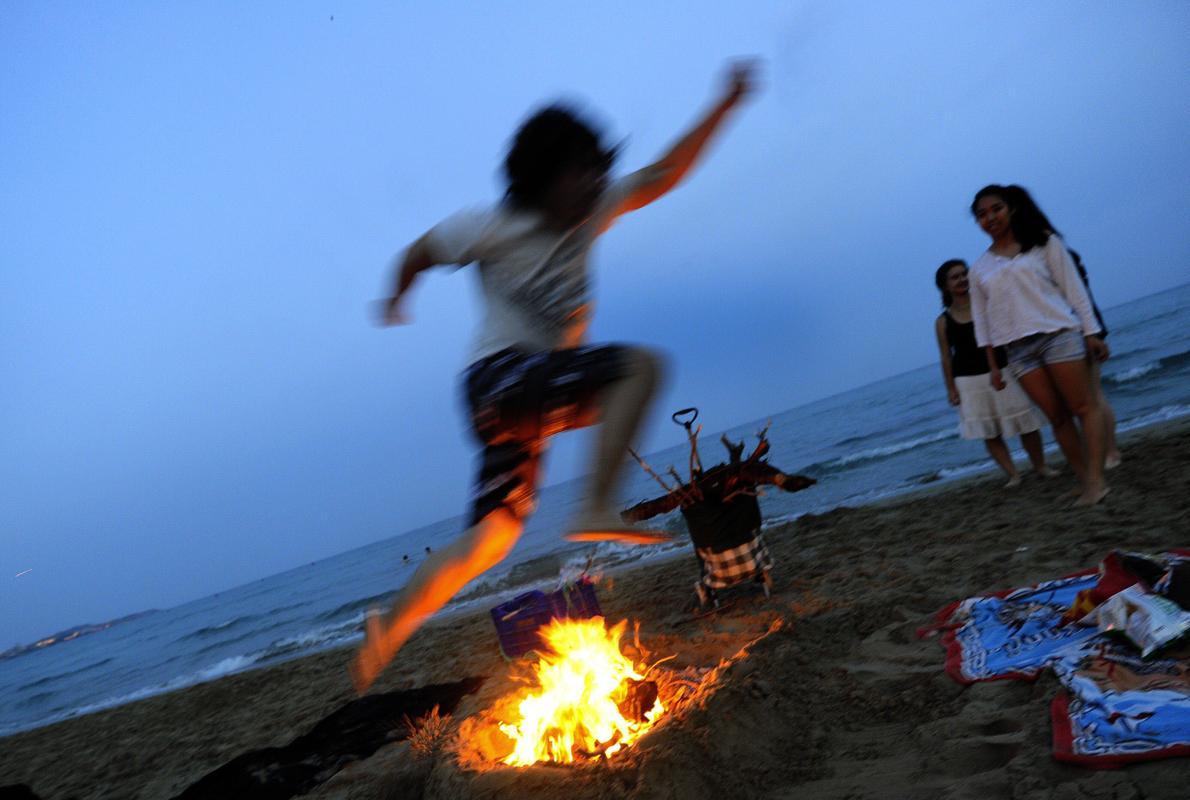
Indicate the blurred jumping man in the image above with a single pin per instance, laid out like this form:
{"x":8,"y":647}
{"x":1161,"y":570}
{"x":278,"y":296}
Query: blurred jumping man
{"x":531,"y":373}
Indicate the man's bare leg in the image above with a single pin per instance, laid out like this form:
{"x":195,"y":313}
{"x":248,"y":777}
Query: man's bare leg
{"x":438,"y":579}
{"x":624,"y":404}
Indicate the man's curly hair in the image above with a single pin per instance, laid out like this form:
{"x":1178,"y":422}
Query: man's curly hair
{"x":549,"y":142}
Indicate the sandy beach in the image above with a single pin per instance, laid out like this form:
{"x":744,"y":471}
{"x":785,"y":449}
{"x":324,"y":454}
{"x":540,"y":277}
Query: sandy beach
{"x":827,"y":692}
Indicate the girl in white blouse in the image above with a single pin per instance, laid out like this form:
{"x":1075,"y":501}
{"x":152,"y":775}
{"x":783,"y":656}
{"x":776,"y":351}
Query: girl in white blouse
{"x":1027,"y":297}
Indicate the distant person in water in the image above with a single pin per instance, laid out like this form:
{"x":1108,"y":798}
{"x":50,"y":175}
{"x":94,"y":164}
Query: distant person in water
{"x":1026,"y":296}
{"x":984,"y":412}
{"x":532,"y":374}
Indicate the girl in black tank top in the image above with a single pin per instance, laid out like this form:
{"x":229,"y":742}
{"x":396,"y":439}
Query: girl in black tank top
{"x":985,"y":411}
{"x":967,"y":357}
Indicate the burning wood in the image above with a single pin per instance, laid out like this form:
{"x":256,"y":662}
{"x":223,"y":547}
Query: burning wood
{"x":589,"y":701}
{"x":495,"y":737}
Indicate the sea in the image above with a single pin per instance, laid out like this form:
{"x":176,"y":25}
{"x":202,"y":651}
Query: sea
{"x":874,"y":442}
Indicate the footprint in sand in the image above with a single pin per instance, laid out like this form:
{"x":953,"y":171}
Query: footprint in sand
{"x":971,"y":756}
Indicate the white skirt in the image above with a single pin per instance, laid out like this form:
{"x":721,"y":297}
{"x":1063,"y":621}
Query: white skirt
{"x":985,"y":413}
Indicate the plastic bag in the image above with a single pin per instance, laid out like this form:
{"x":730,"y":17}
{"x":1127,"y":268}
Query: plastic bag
{"x":1149,"y":620}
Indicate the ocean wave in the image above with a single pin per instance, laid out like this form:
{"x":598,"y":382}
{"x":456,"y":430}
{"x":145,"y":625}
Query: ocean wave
{"x":222,"y":644}
{"x":310,"y":641}
{"x":1162,"y":364}
{"x":1132,"y":374}
{"x":1163,"y":414}
{"x":355,"y":606}
{"x":850,"y":440}
{"x":224,"y":667}
{"x":549,"y":570}
{"x":780,"y":519}
{"x":48,"y":679}
{"x":211,"y":630}
{"x":882,"y":452}
{"x":35,"y":700}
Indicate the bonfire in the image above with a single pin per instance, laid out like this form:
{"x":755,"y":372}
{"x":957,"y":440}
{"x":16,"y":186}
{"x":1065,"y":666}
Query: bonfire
{"x":587,"y":699}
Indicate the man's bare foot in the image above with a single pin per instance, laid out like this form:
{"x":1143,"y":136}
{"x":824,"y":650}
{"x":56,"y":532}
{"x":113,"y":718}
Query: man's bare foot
{"x":1091,"y":497}
{"x":603,"y":527}
{"x":376,"y":653}
{"x":1013,"y":482}
{"x":622,"y":535}
{"x":1112,"y":460}
{"x":1047,"y":471}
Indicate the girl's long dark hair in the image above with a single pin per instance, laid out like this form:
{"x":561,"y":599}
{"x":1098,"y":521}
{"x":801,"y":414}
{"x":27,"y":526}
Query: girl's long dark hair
{"x":1030,"y":226}
{"x":940,"y":279}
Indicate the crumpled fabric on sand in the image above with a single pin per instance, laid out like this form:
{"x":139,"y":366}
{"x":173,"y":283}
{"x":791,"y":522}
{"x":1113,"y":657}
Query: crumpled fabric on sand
{"x":1116,"y":707}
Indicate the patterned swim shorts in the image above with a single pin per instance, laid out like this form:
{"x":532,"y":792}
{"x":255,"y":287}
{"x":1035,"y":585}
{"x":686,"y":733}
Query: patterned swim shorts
{"x":516,"y":400}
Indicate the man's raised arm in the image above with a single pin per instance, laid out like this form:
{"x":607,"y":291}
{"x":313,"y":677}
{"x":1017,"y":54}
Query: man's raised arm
{"x":674,"y":165}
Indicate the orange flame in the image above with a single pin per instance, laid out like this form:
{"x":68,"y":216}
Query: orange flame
{"x":575,"y":710}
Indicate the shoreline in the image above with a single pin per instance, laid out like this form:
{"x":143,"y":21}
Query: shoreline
{"x":851,"y":585}
{"x":541,"y":572}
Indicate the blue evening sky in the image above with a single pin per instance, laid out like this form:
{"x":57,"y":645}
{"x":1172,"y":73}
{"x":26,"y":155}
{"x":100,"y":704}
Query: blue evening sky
{"x":199,"y":203}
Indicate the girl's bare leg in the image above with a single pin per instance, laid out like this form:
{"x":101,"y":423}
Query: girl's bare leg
{"x":1072,"y":381}
{"x":1111,"y":450}
{"x":1041,"y":390}
{"x":999,"y":453}
{"x":1031,"y":441}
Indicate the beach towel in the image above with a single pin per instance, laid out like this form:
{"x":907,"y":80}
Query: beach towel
{"x":1013,"y":634}
{"x":1115,"y":707}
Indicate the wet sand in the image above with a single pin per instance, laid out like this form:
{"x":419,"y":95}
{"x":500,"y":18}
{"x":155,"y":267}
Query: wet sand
{"x":836,"y":700}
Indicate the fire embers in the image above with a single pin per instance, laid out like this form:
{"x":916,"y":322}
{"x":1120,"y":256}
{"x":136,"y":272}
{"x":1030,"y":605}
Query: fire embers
{"x":588,"y":700}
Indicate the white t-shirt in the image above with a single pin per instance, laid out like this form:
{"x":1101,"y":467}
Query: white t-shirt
{"x":1038,"y":291}
{"x":534,"y":281}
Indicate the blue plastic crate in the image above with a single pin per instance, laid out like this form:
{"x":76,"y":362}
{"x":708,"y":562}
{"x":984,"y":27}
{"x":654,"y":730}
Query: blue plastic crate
{"x":519,"y":620}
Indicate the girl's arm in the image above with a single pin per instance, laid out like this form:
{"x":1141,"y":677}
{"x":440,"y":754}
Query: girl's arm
{"x":979,"y":314}
{"x":994,"y":375}
{"x":952,"y":391}
{"x":1065,"y":276}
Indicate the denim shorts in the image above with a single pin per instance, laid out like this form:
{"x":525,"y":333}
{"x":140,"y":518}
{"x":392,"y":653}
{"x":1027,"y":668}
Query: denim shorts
{"x":1035,"y":351}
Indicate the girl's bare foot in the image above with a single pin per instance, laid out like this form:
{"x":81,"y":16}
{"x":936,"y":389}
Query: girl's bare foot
{"x":1092,"y":496}
{"x":1047,"y":471}
{"x":1112,"y":460}
{"x":1013,"y":482}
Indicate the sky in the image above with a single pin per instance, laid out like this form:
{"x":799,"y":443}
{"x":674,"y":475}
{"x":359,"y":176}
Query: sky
{"x":200,"y":203}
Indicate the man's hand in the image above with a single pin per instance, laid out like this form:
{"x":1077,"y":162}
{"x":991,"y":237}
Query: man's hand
{"x":390,"y":312}
{"x":668,"y":171}
{"x":741,"y":80}
{"x":952,"y":394}
{"x":1097,"y":349}
{"x":997,"y":380}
